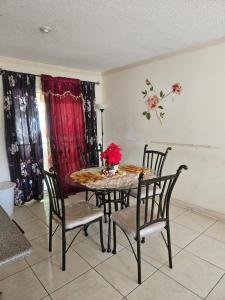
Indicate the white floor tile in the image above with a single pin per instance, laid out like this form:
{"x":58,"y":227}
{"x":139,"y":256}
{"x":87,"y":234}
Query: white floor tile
{"x":194,"y":221}
{"x":217,"y":231}
{"x":34,"y":229}
{"x":193,"y":273}
{"x":40,"y":249}
{"x":209,"y":249}
{"x":121,"y":271}
{"x":89,"y":286}
{"x":181,"y":235}
{"x":23,"y":285}
{"x":90,"y":250}
{"x":12,"y":268}
{"x":176,"y":211}
{"x":160,"y":286}
{"x":218,"y":293}
{"x":50,"y":272}
{"x":22,"y":215}
{"x":155,"y":252}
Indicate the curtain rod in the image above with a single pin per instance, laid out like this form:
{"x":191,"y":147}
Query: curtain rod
{"x":2,"y":70}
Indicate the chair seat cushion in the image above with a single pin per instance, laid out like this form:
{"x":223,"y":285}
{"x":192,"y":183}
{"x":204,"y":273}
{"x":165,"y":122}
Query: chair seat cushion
{"x":80,"y":214}
{"x":126,"y":219}
{"x":134,"y":192}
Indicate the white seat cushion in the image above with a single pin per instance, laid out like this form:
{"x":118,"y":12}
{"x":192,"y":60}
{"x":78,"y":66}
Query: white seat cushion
{"x":79,"y":214}
{"x":126,"y":219}
{"x":134,"y":192}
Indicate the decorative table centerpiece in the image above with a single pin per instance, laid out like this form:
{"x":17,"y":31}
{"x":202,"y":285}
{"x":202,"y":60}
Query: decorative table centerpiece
{"x":112,"y":156}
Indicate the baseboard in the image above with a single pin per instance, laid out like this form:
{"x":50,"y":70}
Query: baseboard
{"x":204,"y":211}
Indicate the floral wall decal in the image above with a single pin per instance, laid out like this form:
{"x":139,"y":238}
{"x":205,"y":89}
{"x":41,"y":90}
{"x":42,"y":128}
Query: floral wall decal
{"x":153,"y":100}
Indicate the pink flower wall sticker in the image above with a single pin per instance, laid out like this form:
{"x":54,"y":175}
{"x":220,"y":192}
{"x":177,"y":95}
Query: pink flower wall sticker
{"x":153,"y":101}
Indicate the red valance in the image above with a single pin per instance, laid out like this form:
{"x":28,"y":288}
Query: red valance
{"x":60,"y":86}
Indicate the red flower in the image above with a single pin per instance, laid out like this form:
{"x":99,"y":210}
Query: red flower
{"x":112,"y":154}
{"x":176,"y":88}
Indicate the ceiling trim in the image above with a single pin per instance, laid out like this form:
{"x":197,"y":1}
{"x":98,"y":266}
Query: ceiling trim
{"x":165,"y":56}
{"x":15,"y":63}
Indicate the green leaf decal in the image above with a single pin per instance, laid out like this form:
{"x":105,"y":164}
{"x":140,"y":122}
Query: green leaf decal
{"x":151,"y":88}
{"x":160,"y":107}
{"x":161,"y":94}
{"x":148,"y":115}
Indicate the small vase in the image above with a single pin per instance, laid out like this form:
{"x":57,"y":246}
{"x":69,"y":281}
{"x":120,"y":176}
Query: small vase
{"x":111,"y":170}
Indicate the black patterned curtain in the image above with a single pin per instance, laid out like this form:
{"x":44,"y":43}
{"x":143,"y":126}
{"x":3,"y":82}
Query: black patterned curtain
{"x":23,"y":136}
{"x":88,"y":91}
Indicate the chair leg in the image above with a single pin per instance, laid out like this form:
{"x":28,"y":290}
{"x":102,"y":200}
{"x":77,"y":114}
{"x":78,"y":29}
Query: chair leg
{"x":114,"y":238}
{"x":63,"y":248}
{"x":169,"y":246}
{"x":103,"y":202}
{"x":139,"y":258}
{"x":85,"y":230}
{"x":50,"y":234}
{"x":97,"y":203}
{"x":101,"y":235}
{"x":115,"y":205}
{"x":104,"y":208}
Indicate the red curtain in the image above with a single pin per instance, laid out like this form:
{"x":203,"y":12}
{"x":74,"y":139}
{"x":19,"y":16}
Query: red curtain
{"x":64,"y":107}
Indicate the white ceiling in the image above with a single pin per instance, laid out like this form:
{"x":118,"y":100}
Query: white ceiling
{"x":105,"y":34}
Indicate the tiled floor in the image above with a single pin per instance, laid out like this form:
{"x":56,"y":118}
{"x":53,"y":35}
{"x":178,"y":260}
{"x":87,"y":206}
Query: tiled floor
{"x":198,"y":245}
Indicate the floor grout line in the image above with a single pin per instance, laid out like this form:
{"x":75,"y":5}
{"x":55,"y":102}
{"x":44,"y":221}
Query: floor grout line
{"x":74,"y":279}
{"x":188,"y":251}
{"x":139,"y":285}
{"x":27,"y":267}
{"x":39,"y":281}
{"x":109,"y":283}
{"x":214,"y":286}
{"x":180,"y":284}
{"x":190,"y":228}
{"x":213,"y":238}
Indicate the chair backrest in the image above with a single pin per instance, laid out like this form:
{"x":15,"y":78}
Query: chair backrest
{"x":154,"y":160}
{"x":155,"y":208}
{"x":90,"y":158}
{"x":55,"y":194}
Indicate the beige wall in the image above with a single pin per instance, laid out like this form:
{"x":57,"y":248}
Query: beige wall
{"x":37,"y":68}
{"x":195,"y":118}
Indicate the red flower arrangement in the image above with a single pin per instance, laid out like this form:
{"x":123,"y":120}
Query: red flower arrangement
{"x":112,"y":155}
{"x":153,"y":101}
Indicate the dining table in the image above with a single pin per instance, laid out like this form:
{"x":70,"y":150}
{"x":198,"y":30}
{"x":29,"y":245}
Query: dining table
{"x":109,"y":190}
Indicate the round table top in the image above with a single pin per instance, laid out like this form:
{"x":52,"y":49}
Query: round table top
{"x":127,"y":180}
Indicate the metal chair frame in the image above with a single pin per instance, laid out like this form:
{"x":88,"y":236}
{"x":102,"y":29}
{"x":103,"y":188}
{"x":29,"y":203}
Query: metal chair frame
{"x":57,"y":207}
{"x":154,"y":160}
{"x":154,"y":211}
{"x":85,"y":156}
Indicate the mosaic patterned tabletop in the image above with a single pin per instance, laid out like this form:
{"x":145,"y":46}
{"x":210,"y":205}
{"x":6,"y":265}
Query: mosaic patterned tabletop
{"x":13,"y":245}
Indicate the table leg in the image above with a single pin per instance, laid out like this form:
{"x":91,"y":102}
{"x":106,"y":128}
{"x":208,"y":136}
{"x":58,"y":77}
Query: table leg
{"x":109,"y":223}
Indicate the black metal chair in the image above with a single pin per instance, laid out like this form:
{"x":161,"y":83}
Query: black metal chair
{"x":91,"y":158}
{"x":69,"y":217}
{"x":155,"y":161}
{"x":148,"y":217}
